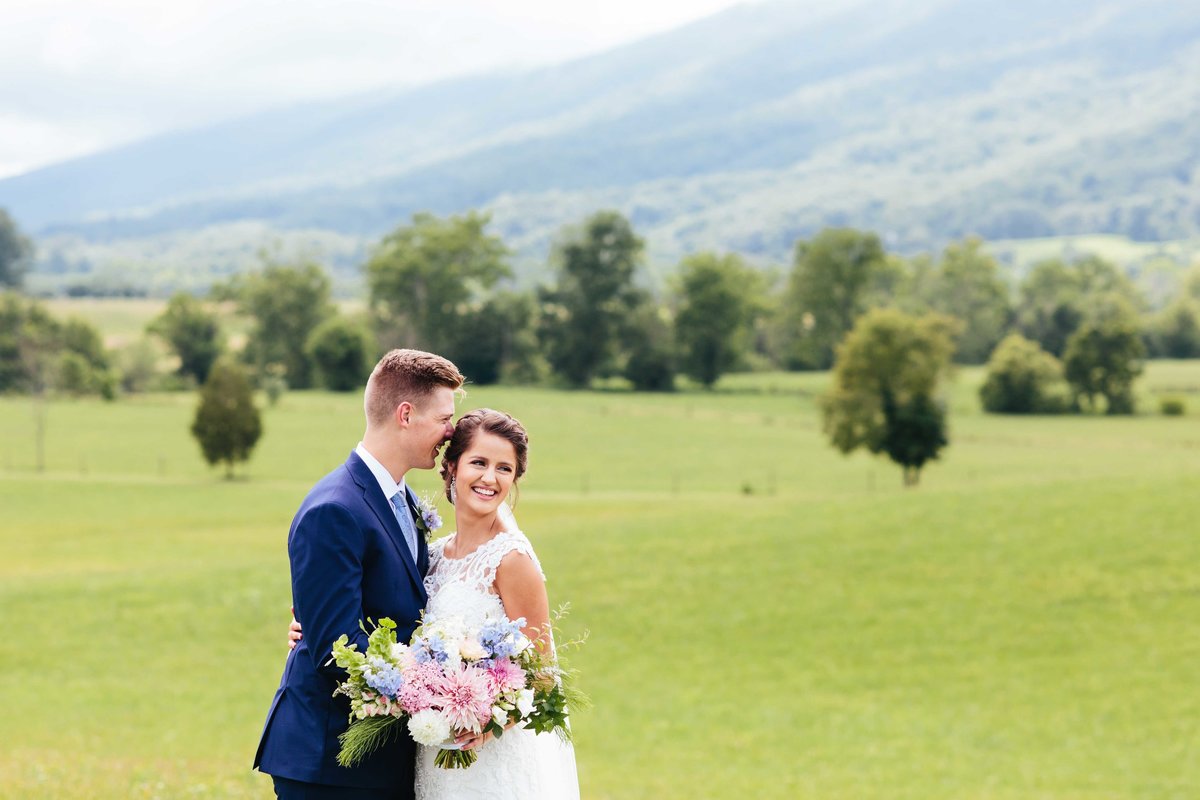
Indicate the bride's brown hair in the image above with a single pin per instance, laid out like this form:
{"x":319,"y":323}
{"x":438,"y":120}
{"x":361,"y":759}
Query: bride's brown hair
{"x":485,"y":420}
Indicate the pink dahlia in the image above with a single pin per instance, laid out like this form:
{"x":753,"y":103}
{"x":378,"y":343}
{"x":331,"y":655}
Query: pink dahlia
{"x":423,"y":683}
{"x":504,"y":675}
{"x":467,"y":698}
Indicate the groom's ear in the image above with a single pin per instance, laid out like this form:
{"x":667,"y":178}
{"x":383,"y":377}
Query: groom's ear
{"x":403,"y":414}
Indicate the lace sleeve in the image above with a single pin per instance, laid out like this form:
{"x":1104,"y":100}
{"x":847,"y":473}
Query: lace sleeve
{"x":494,"y":552}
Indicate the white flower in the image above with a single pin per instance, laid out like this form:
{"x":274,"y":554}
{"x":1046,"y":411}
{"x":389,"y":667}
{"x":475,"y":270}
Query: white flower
{"x":429,"y":727}
{"x":499,"y":715}
{"x":471,"y":649}
{"x":399,"y":651}
{"x":525,"y":702}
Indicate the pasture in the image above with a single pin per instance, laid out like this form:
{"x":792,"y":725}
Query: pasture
{"x":768,"y":618}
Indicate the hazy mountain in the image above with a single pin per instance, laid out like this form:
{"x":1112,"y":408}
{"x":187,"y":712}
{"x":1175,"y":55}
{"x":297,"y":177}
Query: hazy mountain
{"x":924,"y":120}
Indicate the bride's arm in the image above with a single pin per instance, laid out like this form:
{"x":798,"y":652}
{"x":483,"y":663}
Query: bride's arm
{"x":523,"y":593}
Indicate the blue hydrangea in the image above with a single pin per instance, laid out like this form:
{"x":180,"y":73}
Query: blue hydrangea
{"x":383,"y":677}
{"x":430,"y":648}
{"x":500,"y":638}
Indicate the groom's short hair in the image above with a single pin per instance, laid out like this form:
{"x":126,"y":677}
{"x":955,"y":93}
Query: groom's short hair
{"x":402,"y":375}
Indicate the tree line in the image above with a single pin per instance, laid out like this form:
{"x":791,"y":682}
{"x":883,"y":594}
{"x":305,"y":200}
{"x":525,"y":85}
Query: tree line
{"x":445,"y":284}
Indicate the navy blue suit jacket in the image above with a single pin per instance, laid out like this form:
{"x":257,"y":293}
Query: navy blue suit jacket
{"x":349,"y":562}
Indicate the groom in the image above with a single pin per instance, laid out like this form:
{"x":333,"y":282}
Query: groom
{"x":355,"y":553}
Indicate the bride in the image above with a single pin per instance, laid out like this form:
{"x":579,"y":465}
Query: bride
{"x":488,"y":567}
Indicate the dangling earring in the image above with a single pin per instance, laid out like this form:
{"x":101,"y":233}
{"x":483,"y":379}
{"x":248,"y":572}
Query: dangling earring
{"x":453,"y":493}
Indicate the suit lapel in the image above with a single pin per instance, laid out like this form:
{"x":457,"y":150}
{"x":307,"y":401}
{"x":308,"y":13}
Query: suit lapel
{"x":382,"y":507}
{"x":422,"y":545}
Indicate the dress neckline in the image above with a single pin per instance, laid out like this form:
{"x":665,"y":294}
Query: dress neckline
{"x":478,"y":548}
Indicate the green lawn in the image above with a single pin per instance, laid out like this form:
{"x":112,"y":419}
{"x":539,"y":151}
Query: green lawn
{"x":768,"y":618}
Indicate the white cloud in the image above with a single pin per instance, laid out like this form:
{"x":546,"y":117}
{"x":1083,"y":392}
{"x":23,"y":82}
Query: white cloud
{"x":80,"y":75}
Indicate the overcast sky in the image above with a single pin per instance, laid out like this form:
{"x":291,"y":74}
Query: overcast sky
{"x":78,"y":76}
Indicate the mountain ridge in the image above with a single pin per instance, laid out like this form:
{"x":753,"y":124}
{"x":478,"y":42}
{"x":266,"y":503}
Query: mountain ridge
{"x":743,"y":131}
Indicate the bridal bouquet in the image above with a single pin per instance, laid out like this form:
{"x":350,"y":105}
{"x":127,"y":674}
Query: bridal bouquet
{"x":453,"y":677}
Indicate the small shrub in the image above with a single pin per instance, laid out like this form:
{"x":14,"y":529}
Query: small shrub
{"x":1022,"y":378}
{"x":1172,"y":406}
{"x":273,"y":383}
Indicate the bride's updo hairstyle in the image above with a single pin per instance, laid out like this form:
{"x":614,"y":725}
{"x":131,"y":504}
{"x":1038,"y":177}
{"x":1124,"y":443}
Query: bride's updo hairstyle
{"x":485,"y":420}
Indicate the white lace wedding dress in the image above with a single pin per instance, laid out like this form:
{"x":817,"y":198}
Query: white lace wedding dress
{"x":520,"y":765}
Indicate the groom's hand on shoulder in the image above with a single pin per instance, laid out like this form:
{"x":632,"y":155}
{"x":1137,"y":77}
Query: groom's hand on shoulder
{"x":294,"y":632}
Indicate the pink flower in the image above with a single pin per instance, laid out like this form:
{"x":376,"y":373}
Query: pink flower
{"x":422,"y":685}
{"x":504,"y":675}
{"x":467,"y":698}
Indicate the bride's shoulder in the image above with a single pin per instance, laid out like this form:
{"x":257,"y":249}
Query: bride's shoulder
{"x":518,"y":551}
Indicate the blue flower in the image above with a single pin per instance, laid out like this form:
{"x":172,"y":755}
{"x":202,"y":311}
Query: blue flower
{"x":427,"y":519}
{"x":383,"y":677}
{"x":500,"y":638}
{"x":430,"y":648}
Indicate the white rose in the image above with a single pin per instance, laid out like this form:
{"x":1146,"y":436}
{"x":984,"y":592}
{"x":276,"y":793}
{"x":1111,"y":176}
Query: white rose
{"x":429,"y":727}
{"x":471,"y":649}
{"x":525,"y":702}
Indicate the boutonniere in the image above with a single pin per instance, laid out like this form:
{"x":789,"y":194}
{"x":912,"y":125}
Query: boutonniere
{"x":427,"y":519}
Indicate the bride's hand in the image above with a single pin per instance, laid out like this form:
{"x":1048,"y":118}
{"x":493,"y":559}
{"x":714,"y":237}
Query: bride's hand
{"x":473,"y":740}
{"x":469,"y":741}
{"x":294,"y":632}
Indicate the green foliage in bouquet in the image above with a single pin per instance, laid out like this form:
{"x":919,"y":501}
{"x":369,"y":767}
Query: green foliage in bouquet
{"x":365,"y":734}
{"x":555,"y":685}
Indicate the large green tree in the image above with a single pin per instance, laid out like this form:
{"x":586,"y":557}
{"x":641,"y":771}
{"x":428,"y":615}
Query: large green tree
{"x":1104,"y":356}
{"x":967,"y":285}
{"x":16,"y":252}
{"x":884,"y":388}
{"x":192,"y":332}
{"x":227,"y":424}
{"x":594,"y":298}
{"x":285,"y":303}
{"x":423,"y":276}
{"x":831,"y":285}
{"x":1056,"y":295}
{"x":717,"y":300}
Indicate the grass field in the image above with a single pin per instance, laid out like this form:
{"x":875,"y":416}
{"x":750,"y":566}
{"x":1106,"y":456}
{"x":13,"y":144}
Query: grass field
{"x":768,"y":618}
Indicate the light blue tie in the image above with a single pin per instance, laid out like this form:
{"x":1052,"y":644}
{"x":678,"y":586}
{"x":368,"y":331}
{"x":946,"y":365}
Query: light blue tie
{"x":400,"y":506}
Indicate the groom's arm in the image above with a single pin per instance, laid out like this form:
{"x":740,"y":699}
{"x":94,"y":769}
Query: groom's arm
{"x":326,"y":551}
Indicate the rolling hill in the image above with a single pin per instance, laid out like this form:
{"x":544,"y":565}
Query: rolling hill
{"x":924,"y":120}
